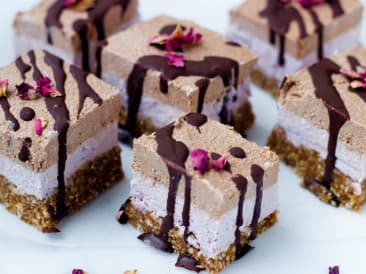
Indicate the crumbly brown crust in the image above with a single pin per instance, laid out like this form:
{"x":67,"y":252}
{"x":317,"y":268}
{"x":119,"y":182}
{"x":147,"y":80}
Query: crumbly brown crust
{"x":308,"y":164}
{"x":148,"y":223}
{"x":243,"y":119}
{"x":85,"y":185}
{"x":264,"y":82}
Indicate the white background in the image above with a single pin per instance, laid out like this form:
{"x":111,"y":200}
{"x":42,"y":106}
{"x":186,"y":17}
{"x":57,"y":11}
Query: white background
{"x":309,"y":237}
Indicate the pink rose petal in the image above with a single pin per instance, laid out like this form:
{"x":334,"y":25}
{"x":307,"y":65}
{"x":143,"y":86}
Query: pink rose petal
{"x":24,"y":91}
{"x":37,"y":124}
{"x":4,"y":85}
{"x":175,"y":60}
{"x":69,"y":3}
{"x":220,"y":163}
{"x":334,"y":269}
{"x":45,"y":88}
{"x":350,"y":73}
{"x":310,"y":3}
{"x":200,"y":160}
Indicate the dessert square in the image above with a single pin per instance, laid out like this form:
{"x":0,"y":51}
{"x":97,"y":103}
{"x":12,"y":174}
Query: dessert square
{"x":74,"y":30}
{"x":201,"y":189}
{"x":171,"y":67}
{"x":321,"y":128}
{"x":291,"y":35}
{"x":58,"y":138}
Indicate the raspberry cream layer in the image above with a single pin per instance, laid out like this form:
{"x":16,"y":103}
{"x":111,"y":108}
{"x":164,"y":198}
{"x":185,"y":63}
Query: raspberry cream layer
{"x":214,"y":198}
{"x":219,"y":67}
{"x":71,"y":33}
{"x":325,"y":29}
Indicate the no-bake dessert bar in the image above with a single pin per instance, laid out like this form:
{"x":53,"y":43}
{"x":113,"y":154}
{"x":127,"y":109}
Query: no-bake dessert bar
{"x":74,"y":30}
{"x":293,"y":34}
{"x":171,"y":67}
{"x":201,"y":189}
{"x":321,"y":127}
{"x":58,"y":138}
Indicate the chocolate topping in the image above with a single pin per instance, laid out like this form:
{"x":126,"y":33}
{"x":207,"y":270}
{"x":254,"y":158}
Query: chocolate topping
{"x":156,"y":241}
{"x":257,"y":174}
{"x":233,"y":44}
{"x":27,"y":114}
{"x":168,"y":29}
{"x":188,"y":262}
{"x":202,"y":85}
{"x":210,"y":67}
{"x":58,"y":109}
{"x":85,"y":91}
{"x":122,"y":217}
{"x":195,"y":119}
{"x":4,"y":103}
{"x":24,"y":154}
{"x":95,"y":16}
{"x":22,"y":67}
{"x":237,"y":152}
{"x":280,"y":15}
{"x":241,"y":184}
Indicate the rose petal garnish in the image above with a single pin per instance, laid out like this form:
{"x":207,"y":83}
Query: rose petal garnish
{"x":45,"y":88}
{"x":350,"y":73}
{"x":130,"y":272}
{"x":4,"y":85}
{"x":334,"y":269}
{"x":79,"y":5}
{"x":175,"y":60}
{"x":200,"y":160}
{"x":26,"y":91}
{"x":358,"y":84}
{"x":39,"y":125}
{"x":176,"y":40}
{"x":78,"y":271}
{"x":220,"y":163}
{"x":305,"y":3}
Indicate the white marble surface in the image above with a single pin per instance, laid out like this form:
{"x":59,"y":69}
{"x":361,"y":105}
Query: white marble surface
{"x":309,"y":237}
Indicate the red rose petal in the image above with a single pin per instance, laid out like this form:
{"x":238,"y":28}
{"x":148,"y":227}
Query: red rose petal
{"x":23,"y":91}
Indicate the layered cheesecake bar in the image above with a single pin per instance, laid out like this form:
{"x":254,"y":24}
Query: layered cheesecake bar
{"x":201,"y":189}
{"x":289,"y":35}
{"x":171,"y":67}
{"x":58,"y":138}
{"x":321,"y":128}
{"x":74,"y":30}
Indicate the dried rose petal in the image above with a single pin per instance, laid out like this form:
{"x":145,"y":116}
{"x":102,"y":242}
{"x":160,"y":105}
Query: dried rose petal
{"x":358,"y":84}
{"x":176,"y":40}
{"x":39,"y":125}
{"x":350,"y":73}
{"x":130,"y":272}
{"x":200,"y":160}
{"x":175,"y":60}
{"x":334,"y":269}
{"x":45,"y":87}
{"x":79,"y":5}
{"x":219,"y":164}
{"x":4,"y":84}
{"x":310,"y":3}
{"x":78,"y":271}
{"x":26,"y":91}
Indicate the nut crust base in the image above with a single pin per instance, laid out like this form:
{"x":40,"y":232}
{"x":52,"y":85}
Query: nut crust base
{"x":266,"y":83}
{"x":308,"y":164}
{"x":147,"y":222}
{"x":85,"y":185}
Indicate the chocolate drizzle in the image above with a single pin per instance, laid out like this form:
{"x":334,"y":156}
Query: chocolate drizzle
{"x":188,"y":262}
{"x":85,"y":91}
{"x":321,"y":74}
{"x":22,"y":67}
{"x":24,"y":154}
{"x":4,"y":103}
{"x":241,"y":184}
{"x":238,"y":152}
{"x":195,"y":119}
{"x":27,"y":114}
{"x":210,"y":67}
{"x":96,"y":17}
{"x":280,"y":15}
{"x":257,"y":174}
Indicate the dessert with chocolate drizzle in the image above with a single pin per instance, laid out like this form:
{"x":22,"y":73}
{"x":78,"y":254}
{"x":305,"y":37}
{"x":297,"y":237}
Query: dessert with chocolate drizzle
{"x":74,"y":30}
{"x":172,"y":67}
{"x":321,"y":128}
{"x":293,"y":34}
{"x":58,"y":146}
{"x":201,"y":189}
